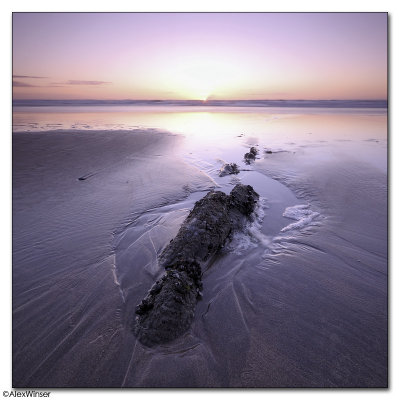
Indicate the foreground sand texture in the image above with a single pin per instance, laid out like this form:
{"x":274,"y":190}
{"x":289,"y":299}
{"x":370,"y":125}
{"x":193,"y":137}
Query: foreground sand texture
{"x":298,"y":301}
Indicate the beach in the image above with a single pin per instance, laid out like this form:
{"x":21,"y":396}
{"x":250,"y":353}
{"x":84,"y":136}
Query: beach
{"x":64,"y":231}
{"x":296,"y":299}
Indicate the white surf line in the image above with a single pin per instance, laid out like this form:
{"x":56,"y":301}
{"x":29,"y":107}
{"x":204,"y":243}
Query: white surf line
{"x":302,"y":214}
{"x":114,"y":273}
{"x":129,"y":365}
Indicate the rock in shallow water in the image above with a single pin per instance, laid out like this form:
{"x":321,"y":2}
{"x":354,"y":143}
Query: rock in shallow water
{"x":168,"y":309}
{"x":251,"y":155}
{"x":229,"y":169}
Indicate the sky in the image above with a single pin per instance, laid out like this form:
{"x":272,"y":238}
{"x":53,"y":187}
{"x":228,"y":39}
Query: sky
{"x":200,"y":56}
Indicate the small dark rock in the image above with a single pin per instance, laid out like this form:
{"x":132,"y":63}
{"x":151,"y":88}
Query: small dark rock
{"x":229,"y":169}
{"x":253,"y":150}
{"x":84,"y":177}
{"x":251,"y":155}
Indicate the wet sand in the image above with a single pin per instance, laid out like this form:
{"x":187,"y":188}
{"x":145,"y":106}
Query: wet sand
{"x":293,"y":308}
{"x":66,"y":302}
{"x":283,"y":306}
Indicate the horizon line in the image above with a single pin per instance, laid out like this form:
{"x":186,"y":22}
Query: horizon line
{"x":202,"y":101}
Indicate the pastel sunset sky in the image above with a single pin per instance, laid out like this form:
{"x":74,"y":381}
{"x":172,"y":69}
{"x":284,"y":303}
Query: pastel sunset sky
{"x":200,"y":56}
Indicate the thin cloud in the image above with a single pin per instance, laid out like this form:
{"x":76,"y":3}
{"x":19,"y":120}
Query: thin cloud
{"x":28,"y":85}
{"x":22,"y":84}
{"x":90,"y":83}
{"x":29,"y":77}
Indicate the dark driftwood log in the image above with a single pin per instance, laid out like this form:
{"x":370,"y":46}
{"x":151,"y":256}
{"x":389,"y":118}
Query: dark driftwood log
{"x":168,"y":309}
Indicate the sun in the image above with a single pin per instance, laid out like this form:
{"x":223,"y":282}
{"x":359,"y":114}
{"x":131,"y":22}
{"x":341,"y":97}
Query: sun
{"x":198,"y":79}
{"x":199,"y":83}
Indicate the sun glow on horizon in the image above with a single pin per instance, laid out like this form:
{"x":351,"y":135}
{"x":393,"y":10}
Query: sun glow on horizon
{"x":202,"y":78}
